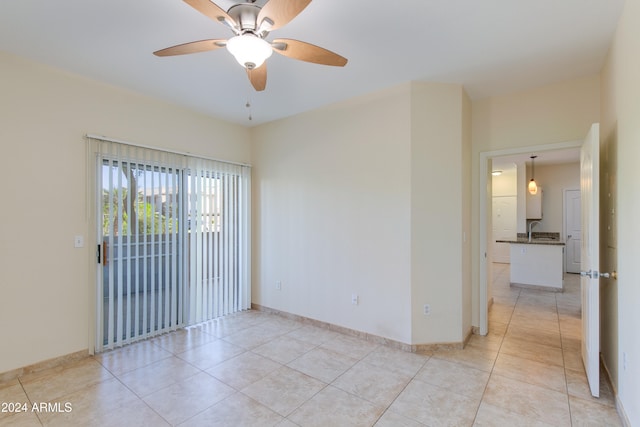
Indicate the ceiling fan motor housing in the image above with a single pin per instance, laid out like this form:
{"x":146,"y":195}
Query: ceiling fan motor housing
{"x":246,"y":16}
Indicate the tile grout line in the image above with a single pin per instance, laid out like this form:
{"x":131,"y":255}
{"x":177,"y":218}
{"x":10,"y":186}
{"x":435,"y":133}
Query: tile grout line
{"x":175,"y":354}
{"x":523,"y":301}
{"x":564,"y":365}
{"x":326,"y":384}
{"x":282,"y":365}
{"x":29,"y":399}
{"x":200,"y":370}
{"x":401,"y":391}
{"x":497,"y":355}
{"x":140,"y":398}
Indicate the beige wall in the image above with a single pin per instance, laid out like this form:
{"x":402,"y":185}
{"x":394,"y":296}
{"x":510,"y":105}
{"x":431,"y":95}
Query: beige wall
{"x":620,"y":133}
{"x":332,"y":213}
{"x":555,"y":113}
{"x":45,"y":281}
{"x":551,"y":114}
{"x":505,"y":184}
{"x":609,"y":330}
{"x":554,"y":179}
{"x":466,"y":191}
{"x":366,"y":197}
{"x":440,"y":149}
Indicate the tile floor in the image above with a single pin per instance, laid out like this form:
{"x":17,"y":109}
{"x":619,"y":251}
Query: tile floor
{"x":257,"y":369}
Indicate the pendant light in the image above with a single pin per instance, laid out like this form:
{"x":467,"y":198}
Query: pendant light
{"x":533,"y":187}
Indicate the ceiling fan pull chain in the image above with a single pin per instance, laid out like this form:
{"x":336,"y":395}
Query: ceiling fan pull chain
{"x":248,"y":105}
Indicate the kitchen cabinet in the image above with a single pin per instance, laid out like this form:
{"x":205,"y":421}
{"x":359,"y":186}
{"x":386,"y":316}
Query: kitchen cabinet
{"x":534,"y":205}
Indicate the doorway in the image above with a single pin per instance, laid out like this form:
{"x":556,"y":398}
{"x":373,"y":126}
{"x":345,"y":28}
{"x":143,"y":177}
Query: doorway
{"x":485,"y":211}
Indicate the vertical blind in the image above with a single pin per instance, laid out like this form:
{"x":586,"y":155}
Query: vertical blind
{"x":174,"y":240}
{"x":218,"y":209}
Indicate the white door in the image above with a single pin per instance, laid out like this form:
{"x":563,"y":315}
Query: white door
{"x":573,"y":229}
{"x":590,"y":259}
{"x":504,"y":219}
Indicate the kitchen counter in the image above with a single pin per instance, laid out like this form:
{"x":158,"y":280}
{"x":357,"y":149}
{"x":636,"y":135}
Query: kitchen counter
{"x":537,"y":238}
{"x":533,"y":241}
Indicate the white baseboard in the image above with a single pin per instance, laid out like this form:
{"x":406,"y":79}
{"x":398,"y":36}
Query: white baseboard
{"x":619,"y":407}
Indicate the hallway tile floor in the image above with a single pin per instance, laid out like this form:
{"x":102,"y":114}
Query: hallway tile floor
{"x":258,"y":369}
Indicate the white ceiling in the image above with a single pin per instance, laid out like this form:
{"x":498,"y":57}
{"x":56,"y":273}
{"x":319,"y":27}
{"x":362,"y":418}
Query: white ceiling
{"x":551,"y":157}
{"x":490,"y":46}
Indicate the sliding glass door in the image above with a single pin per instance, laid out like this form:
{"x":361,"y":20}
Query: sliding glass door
{"x":173,"y":235}
{"x":142,"y":262}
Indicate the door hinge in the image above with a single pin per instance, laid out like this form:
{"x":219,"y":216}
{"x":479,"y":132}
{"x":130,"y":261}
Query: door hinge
{"x":98,"y":250}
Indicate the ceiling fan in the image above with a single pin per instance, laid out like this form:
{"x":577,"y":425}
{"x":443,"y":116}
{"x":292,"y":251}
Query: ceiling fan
{"x":251,"y":24}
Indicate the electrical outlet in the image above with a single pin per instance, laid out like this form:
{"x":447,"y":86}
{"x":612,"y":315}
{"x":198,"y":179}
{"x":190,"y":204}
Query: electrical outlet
{"x":354,"y":299}
{"x":279,"y":285}
{"x":427,"y":309}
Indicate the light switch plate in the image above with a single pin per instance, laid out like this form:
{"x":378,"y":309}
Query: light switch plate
{"x":78,"y":241}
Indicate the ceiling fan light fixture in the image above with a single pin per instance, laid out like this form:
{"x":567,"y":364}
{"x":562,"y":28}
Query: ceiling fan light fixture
{"x":249,"y":50}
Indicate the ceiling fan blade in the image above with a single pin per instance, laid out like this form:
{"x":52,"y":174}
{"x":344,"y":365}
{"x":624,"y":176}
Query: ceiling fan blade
{"x":212,"y":10}
{"x":280,"y":12}
{"x":307,"y":52}
{"x":258,"y":77}
{"x":192,"y":47}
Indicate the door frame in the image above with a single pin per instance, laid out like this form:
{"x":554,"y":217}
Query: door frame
{"x":484,"y":253}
